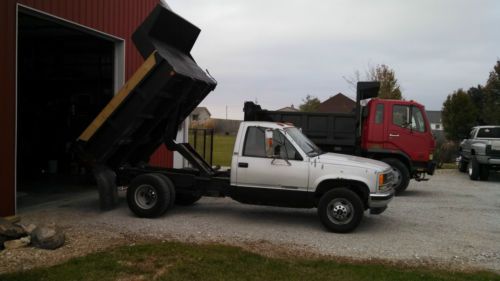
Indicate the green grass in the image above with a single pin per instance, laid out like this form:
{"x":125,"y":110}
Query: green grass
{"x":449,"y":166}
{"x":179,"y":261}
{"x":223,"y":148}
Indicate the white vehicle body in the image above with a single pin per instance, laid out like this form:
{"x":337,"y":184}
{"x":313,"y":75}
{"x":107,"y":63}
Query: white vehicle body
{"x":308,"y":173}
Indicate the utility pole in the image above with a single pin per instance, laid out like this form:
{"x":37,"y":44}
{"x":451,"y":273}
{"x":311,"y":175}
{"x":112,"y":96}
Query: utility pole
{"x":226,"y":112}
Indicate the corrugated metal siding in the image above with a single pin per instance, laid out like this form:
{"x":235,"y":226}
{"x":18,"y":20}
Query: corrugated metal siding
{"x":115,"y":17}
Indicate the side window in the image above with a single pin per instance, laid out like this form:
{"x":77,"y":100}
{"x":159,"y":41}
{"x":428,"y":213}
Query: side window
{"x":255,"y":142}
{"x":379,"y":114}
{"x":472,"y":133}
{"x":283,"y":147}
{"x":400,"y":115}
{"x":417,"y":120}
{"x":255,"y":145}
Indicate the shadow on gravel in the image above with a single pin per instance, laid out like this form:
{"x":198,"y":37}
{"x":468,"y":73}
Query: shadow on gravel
{"x":270,"y":217}
{"x":415,"y":193}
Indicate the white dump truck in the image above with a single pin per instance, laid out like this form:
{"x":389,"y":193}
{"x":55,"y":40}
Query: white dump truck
{"x":272,"y":163}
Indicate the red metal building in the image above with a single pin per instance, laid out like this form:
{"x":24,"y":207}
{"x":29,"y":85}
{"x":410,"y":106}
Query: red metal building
{"x":60,"y":61}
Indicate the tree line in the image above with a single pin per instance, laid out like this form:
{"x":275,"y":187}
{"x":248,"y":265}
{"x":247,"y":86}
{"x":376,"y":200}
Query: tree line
{"x":389,"y":86}
{"x":464,"y":109}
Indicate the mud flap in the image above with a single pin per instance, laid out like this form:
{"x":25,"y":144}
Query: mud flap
{"x":106,"y":183}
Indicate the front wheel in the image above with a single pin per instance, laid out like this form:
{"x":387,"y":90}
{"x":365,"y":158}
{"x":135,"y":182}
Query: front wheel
{"x":474,"y":169}
{"x":402,"y":175}
{"x":340,"y":210}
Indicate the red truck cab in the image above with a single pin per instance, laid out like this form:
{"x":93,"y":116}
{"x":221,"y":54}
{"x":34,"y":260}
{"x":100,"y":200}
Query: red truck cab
{"x":400,"y":129}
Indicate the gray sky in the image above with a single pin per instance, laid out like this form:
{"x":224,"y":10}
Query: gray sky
{"x":277,"y":52}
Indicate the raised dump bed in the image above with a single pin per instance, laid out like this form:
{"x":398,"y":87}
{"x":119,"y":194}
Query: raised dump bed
{"x":149,"y":108}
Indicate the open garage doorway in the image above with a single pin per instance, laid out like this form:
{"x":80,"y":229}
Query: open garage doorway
{"x":65,"y":76}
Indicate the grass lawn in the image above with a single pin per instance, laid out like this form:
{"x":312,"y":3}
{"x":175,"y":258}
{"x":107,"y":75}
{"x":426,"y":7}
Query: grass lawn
{"x":179,"y":261}
{"x":223,"y":148}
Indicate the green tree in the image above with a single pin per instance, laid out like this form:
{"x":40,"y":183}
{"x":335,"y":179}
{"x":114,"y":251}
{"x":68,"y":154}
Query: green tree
{"x":309,"y":104}
{"x":459,"y":114}
{"x":491,"y":108}
{"x":389,"y":85}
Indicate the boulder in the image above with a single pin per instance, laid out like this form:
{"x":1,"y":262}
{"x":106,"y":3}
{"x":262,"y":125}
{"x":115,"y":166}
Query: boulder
{"x":47,"y":237}
{"x":29,"y":228}
{"x":18,"y":243}
{"x":10,"y":230}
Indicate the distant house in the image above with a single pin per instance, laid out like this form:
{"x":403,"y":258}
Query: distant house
{"x":200,"y":114}
{"x":434,"y":117}
{"x":289,"y":109}
{"x":338,"y":104}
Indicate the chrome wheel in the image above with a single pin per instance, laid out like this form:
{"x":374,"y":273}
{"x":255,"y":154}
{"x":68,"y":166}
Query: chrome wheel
{"x":340,"y":211}
{"x":145,"y":196}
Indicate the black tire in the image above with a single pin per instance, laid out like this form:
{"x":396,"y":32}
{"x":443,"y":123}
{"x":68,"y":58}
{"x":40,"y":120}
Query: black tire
{"x":402,"y":174}
{"x":474,"y":169}
{"x":348,"y":206}
{"x":186,"y":199}
{"x":148,"y":196}
{"x":172,"y":190}
{"x":484,"y":172}
{"x":462,"y":165}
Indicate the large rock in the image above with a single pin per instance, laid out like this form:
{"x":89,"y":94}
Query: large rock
{"x":18,"y":243}
{"x":47,"y":237}
{"x":10,"y":230}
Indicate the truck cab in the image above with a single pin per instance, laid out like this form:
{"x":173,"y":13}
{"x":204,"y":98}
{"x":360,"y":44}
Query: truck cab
{"x":275,"y":164}
{"x":400,"y":131}
{"x":480,"y":152}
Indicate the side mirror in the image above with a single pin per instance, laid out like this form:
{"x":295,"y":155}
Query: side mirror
{"x":269,"y":142}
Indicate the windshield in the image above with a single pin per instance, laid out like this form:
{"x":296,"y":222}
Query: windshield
{"x":303,"y":142}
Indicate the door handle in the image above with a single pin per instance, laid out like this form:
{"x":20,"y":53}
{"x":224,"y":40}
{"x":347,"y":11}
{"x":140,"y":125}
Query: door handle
{"x":243,"y":165}
{"x":393,"y":135}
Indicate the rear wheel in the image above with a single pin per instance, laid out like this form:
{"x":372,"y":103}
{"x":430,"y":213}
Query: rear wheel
{"x":148,"y":195}
{"x":473,"y":168}
{"x":402,"y":175}
{"x":340,"y":210}
{"x":172,"y":190}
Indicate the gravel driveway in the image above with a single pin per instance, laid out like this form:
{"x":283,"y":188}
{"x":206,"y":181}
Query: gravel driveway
{"x":448,"y":221}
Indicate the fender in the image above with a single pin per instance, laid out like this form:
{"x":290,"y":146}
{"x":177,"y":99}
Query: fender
{"x":407,"y":159}
{"x":343,"y":178}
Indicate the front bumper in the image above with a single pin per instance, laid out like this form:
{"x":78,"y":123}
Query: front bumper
{"x":487,"y":159}
{"x":379,"y":201}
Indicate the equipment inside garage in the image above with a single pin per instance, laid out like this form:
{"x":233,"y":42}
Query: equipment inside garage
{"x":65,"y":77}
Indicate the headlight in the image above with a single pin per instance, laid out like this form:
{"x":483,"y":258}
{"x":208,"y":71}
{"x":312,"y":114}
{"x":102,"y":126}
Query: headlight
{"x":385,"y":181}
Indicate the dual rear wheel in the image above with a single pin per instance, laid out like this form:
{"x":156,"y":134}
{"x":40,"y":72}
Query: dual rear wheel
{"x":151,"y":195}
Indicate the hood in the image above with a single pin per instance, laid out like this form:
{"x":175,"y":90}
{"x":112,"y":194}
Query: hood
{"x":354,"y":161}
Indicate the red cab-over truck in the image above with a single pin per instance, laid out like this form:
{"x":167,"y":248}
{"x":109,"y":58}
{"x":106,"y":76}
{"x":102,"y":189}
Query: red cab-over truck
{"x":394,"y":131}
